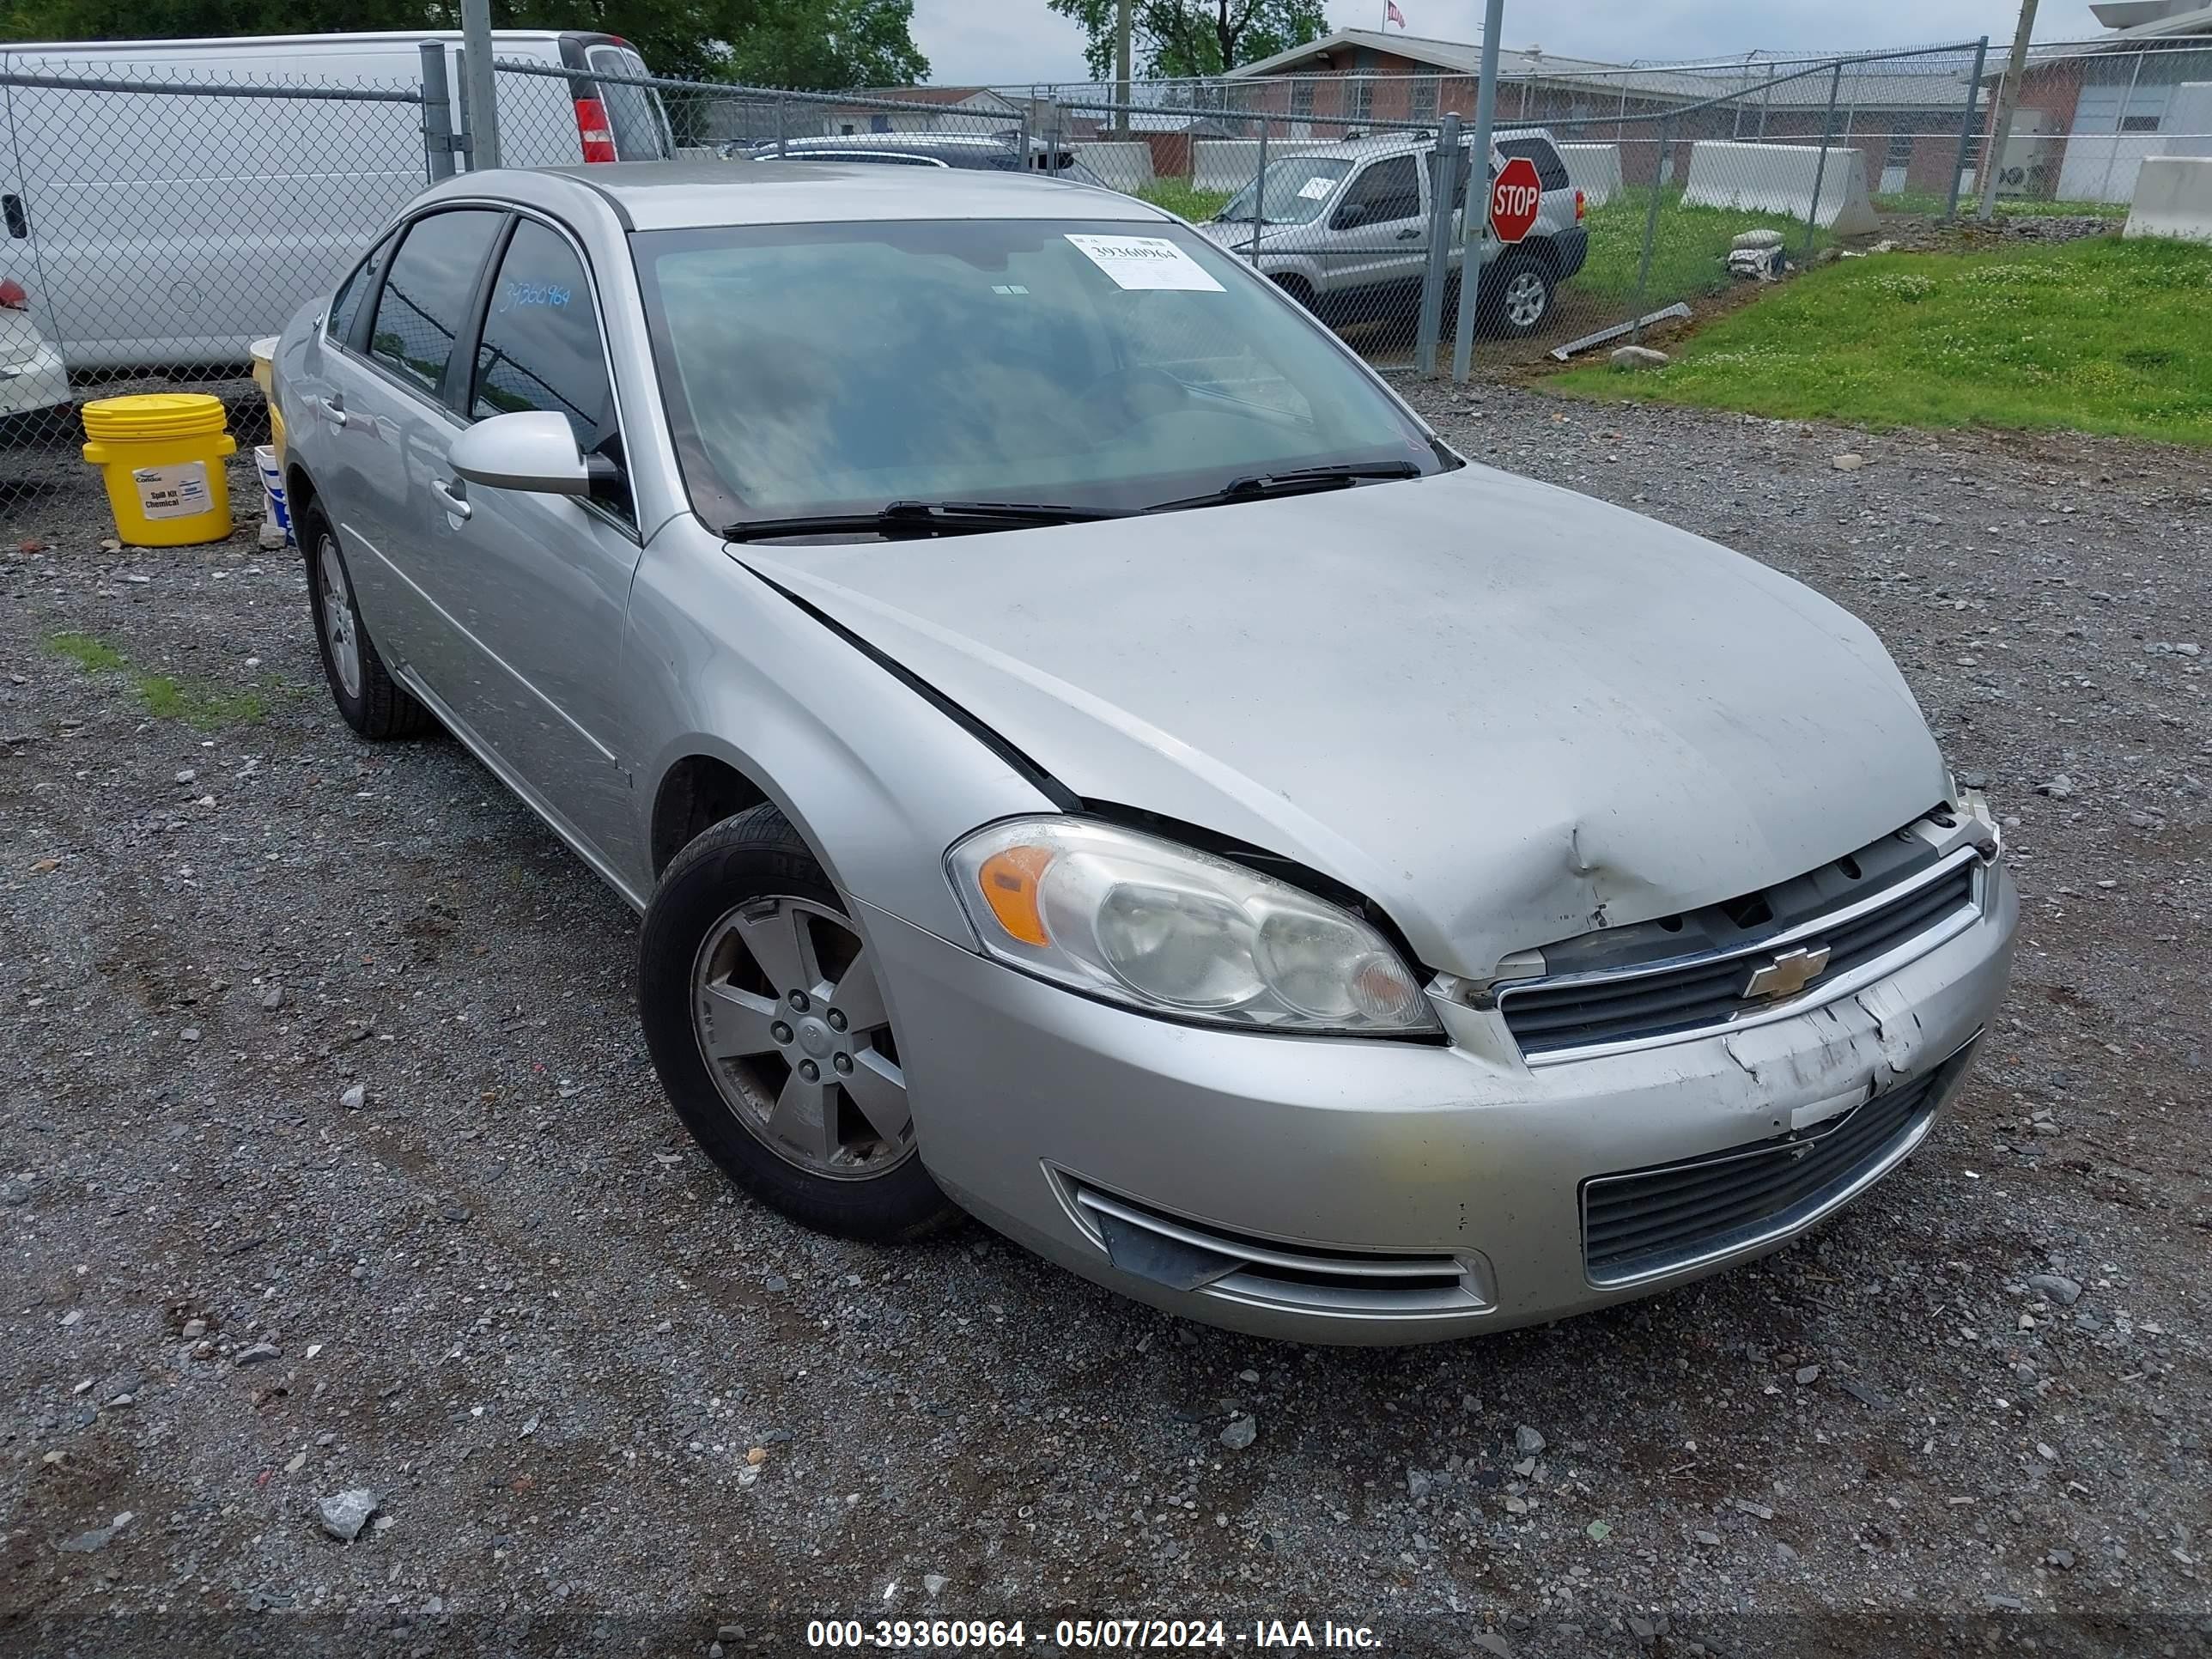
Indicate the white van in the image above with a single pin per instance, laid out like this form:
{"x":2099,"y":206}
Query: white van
{"x":155,"y":228}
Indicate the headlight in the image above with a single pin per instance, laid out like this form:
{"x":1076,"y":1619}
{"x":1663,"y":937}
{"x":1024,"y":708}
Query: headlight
{"x":1171,"y":931}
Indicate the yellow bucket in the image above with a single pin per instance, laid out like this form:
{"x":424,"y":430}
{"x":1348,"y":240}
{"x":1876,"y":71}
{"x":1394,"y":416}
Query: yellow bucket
{"x":161,"y":456}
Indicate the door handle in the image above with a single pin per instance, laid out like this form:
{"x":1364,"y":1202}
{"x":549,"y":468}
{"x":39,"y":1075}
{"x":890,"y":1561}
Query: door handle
{"x":331,"y":409}
{"x":449,"y":493}
{"x":1409,"y":236}
{"x":19,"y":223}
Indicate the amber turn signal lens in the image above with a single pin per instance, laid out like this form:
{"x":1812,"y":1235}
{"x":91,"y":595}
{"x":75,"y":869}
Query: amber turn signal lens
{"x":1009,"y":880}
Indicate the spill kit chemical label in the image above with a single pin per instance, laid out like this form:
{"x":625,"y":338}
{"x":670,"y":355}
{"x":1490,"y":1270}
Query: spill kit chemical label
{"x":173,"y":492}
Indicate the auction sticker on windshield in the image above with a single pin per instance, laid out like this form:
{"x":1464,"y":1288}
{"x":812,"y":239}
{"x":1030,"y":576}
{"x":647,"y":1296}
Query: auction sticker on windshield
{"x":1314,"y":189}
{"x":1144,"y":262}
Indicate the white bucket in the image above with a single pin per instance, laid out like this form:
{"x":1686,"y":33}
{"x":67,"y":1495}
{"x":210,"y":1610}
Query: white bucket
{"x":277,"y":518}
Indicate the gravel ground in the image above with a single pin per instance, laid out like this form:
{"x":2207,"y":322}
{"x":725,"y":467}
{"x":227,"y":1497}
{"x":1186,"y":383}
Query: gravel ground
{"x":333,"y":1164}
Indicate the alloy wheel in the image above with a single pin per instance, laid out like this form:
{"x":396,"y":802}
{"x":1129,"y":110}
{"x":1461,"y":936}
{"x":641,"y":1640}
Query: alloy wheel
{"x":340,"y":631}
{"x":1524,"y":300}
{"x":790,"y":1020}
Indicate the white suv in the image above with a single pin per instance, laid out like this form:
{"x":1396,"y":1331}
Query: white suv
{"x":1344,"y":228}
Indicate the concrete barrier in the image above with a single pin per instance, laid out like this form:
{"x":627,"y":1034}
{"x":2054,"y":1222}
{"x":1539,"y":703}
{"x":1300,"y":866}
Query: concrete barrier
{"x":1593,"y":169}
{"x":1780,"y":178}
{"x":2173,"y":198}
{"x":1230,"y":163}
{"x":1125,"y":164}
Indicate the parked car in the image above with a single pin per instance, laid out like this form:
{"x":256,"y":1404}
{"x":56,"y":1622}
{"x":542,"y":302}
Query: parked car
{"x":143,"y":262}
{"x":992,"y":154}
{"x":1344,"y":229}
{"x":33,"y":380}
{"x":1084,"y":752}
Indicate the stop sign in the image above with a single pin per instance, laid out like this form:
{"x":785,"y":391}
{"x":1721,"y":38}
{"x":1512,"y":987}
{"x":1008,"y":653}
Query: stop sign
{"x":1514,"y":195}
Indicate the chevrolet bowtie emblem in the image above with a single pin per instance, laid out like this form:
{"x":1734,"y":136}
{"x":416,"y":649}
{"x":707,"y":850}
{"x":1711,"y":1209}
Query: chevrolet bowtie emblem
{"x":1788,"y":974}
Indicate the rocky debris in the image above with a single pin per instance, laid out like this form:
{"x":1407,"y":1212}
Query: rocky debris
{"x":934,"y":1583}
{"x":1639,"y":357}
{"x":2058,"y":788}
{"x":1240,"y":1433}
{"x":1847,"y":462}
{"x":2056,"y":1287}
{"x":96,"y":1539}
{"x":1527,"y":1442}
{"x":1418,"y":1483}
{"x":354,"y":1097}
{"x":345,"y":1514}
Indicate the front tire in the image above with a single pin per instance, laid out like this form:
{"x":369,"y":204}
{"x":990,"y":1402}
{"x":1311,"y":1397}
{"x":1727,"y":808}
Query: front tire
{"x":766,"y":1021}
{"x":369,"y":699}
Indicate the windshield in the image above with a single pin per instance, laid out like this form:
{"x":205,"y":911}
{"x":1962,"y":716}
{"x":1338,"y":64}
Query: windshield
{"x":1292,"y":192}
{"x":826,"y":369}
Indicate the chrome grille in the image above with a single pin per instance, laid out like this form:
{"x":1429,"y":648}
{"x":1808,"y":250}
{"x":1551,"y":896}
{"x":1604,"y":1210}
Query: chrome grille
{"x":1672,"y":999}
{"x":1648,"y":1222}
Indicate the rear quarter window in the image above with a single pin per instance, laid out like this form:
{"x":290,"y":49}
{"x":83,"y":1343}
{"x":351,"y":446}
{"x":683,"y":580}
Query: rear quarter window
{"x":1550,"y":171}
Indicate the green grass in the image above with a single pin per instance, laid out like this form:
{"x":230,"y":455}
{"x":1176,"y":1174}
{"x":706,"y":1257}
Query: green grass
{"x":1689,"y":247}
{"x":1930,"y":204}
{"x":2097,"y":335}
{"x":94,"y":656}
{"x":1178,"y":196}
{"x":198,"y":705}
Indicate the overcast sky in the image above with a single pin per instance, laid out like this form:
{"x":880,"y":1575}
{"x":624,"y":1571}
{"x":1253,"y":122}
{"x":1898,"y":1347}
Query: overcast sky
{"x":1019,"y":40}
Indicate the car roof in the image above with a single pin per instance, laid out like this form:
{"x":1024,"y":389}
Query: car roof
{"x":686,"y":195}
{"x":895,"y":141}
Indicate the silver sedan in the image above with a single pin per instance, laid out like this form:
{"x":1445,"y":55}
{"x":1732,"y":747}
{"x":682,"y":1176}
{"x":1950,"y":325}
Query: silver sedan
{"x":1086,"y":753}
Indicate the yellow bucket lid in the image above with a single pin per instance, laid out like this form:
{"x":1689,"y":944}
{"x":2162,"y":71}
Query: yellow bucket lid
{"x":155,"y":415}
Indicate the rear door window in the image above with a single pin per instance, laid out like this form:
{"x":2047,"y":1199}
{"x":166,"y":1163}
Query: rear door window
{"x":1388,"y":190}
{"x":426,"y":299}
{"x":635,"y":113}
{"x":354,"y":292}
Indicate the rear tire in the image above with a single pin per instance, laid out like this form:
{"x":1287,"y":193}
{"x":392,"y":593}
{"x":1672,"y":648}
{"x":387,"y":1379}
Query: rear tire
{"x":1517,"y":296}
{"x":369,"y":699}
{"x":766,"y":1023}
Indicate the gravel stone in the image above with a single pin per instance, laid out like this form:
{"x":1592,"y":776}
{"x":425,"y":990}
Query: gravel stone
{"x":962,"y":1381}
{"x":2056,"y":1287}
{"x":1240,"y":1433}
{"x":345,"y":1514}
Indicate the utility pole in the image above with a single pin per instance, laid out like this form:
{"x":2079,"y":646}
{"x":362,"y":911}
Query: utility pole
{"x":2001,"y":128}
{"x":482,"y":83}
{"x":1121,"y":8}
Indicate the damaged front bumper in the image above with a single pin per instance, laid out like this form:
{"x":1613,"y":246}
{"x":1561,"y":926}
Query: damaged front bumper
{"x":1381,"y":1192}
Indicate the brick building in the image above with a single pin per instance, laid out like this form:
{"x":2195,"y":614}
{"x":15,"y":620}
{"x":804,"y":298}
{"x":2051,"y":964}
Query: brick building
{"x":1905,"y":115}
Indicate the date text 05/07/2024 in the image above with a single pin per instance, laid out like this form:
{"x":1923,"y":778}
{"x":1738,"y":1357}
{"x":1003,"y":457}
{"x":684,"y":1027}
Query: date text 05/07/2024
{"x":991,"y":1636}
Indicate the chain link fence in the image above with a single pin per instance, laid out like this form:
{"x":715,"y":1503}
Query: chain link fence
{"x":155,"y":227}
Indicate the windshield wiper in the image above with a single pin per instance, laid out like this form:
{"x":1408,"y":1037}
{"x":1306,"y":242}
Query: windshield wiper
{"x":1298,"y":481}
{"x":897,"y":520}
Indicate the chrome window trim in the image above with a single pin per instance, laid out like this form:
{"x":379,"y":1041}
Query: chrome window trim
{"x":1818,"y":994}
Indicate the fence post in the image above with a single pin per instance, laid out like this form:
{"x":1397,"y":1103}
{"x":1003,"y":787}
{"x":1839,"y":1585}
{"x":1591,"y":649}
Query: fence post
{"x":781,"y":152}
{"x":1028,"y":161}
{"x":483,"y":85}
{"x":1444,"y":177}
{"x":1966,"y":125}
{"x":1820,"y":168}
{"x":1474,"y":218}
{"x":2119,"y":125}
{"x":1659,"y":168}
{"x":437,"y":113}
{"x":1259,"y":190}
{"x":1993,"y":152}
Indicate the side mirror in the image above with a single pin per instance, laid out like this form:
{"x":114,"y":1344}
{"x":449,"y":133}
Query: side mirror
{"x":533,"y":450}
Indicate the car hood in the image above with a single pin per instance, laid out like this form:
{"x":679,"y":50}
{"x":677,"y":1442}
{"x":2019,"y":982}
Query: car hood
{"x":1505,"y":713}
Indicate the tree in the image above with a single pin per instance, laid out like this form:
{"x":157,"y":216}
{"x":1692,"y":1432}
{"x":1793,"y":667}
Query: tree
{"x":822,"y":45}
{"x":1174,"y":38}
